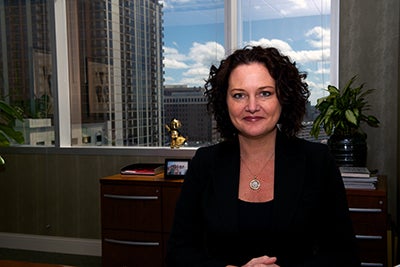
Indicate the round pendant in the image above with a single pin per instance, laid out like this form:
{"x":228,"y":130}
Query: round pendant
{"x":255,"y":184}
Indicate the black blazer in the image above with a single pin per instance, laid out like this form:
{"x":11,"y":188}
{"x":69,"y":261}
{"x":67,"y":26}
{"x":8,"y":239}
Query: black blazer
{"x":311,"y":224}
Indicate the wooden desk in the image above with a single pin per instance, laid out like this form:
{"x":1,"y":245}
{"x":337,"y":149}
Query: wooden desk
{"x":368,"y":210}
{"x":136,"y":217}
{"x":137,"y":214}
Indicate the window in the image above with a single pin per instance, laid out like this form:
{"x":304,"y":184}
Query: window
{"x":122,"y":70}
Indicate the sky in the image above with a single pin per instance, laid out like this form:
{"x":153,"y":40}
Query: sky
{"x":194,"y":37}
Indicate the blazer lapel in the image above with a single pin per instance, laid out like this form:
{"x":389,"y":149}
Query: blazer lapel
{"x":226,"y":185}
{"x":289,"y":180}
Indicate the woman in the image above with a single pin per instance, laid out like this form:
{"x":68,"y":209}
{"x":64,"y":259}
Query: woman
{"x":262,"y":197}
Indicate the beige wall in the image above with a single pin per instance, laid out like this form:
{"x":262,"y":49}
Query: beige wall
{"x":57,"y":193}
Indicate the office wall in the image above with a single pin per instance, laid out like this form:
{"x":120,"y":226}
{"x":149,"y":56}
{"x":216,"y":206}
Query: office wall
{"x":369,"y":47}
{"x":51,"y":193}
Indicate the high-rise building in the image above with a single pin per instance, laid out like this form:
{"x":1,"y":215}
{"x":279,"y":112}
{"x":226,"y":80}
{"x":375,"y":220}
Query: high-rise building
{"x":189,"y":106}
{"x":25,"y":56}
{"x":122,"y":42}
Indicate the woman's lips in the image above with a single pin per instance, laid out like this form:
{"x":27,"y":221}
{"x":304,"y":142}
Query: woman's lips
{"x":252,"y":118}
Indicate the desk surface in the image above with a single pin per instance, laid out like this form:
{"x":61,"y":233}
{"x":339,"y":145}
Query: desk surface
{"x":142,"y":178}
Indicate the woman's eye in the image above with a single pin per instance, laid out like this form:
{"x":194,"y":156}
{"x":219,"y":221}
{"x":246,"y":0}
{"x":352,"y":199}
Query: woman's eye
{"x":238,"y":95}
{"x":265,"y":93}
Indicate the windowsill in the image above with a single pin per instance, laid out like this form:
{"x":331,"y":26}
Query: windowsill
{"x":183,"y":152}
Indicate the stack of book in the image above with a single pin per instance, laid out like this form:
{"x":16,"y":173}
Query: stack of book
{"x":143,"y":169}
{"x":358,"y":178}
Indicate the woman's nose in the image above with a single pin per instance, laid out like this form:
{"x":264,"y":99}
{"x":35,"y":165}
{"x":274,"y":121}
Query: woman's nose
{"x":252,"y":105}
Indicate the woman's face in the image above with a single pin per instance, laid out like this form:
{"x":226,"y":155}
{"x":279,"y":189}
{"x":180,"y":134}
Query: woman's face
{"x":253,"y":105}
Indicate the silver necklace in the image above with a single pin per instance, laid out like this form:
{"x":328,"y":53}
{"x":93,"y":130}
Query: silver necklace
{"x":255,"y":183}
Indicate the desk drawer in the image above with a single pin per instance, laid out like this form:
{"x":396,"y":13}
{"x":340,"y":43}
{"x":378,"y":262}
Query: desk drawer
{"x":368,"y":223}
{"x":131,"y":207}
{"x":131,"y":249}
{"x":373,"y":251}
{"x":366,"y":202}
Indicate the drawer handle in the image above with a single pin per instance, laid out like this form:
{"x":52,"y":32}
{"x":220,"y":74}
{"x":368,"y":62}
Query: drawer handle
{"x":369,"y":237}
{"x":132,"y":243}
{"x":371,"y":264}
{"x":365,"y":210}
{"x":131,"y":197}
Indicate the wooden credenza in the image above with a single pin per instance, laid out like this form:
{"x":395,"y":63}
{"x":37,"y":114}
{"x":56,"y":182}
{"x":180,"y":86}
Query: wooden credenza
{"x":368,"y":210}
{"x":137,"y":214}
{"x":136,"y":217}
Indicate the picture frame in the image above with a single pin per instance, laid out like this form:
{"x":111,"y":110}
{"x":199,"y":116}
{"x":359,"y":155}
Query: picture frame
{"x":175,"y":168}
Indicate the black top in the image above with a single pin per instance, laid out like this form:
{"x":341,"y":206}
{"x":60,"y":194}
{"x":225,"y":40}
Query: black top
{"x":255,"y":226}
{"x":260,"y":214}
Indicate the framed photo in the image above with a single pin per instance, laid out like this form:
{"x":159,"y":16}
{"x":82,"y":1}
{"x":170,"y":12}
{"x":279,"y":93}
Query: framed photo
{"x":176,"y":168}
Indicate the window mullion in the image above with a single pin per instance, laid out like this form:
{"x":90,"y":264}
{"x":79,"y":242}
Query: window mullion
{"x":335,"y":21}
{"x":231,"y":25}
{"x":62,"y":63}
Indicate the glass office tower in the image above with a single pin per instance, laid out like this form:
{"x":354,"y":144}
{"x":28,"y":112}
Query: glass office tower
{"x":120,"y":59}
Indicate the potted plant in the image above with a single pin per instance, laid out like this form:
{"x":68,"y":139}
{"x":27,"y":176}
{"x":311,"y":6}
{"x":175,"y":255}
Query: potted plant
{"x":8,"y":116}
{"x":341,"y":114}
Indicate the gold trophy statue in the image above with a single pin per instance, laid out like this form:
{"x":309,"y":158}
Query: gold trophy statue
{"x":177,"y":140}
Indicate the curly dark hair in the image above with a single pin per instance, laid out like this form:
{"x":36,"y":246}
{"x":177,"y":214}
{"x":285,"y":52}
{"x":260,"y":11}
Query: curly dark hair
{"x":292,"y":91}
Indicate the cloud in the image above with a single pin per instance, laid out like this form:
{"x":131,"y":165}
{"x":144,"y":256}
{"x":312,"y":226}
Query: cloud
{"x":173,"y":59}
{"x":283,"y":46}
{"x":197,"y":70}
{"x":206,"y":53}
{"x":306,"y":56}
{"x":321,"y":37}
{"x":303,"y":56}
{"x":261,"y":9}
{"x":172,"y":63}
{"x":323,"y":71}
{"x":196,"y":63}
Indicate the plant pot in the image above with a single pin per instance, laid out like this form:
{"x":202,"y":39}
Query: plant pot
{"x":349,"y":150}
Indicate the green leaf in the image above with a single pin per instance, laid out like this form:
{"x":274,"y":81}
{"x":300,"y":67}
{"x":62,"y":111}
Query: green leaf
{"x":8,"y":116}
{"x":333,"y":90}
{"x":372,"y":121}
{"x":4,"y":140}
{"x":328,"y":128}
{"x":12,"y":134}
{"x":350,"y":116}
{"x":356,"y":112}
{"x":315,"y":129}
{"x":320,"y":101}
{"x":10,"y":111}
